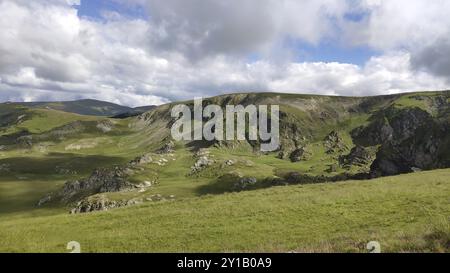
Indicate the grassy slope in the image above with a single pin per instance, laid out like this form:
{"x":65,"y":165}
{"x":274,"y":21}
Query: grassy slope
{"x":83,"y":107}
{"x":404,"y":213}
{"x":123,"y":143}
{"x":33,"y":175}
{"x":44,"y":120}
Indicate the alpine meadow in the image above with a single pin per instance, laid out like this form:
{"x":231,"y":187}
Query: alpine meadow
{"x":348,"y":171}
{"x":224,"y":136}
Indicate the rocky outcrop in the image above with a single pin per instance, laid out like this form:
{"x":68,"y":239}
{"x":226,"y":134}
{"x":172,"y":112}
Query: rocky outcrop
{"x":377,"y":132}
{"x":300,"y":154}
{"x":105,"y":126}
{"x":202,"y":163}
{"x":358,"y":156}
{"x":244,"y":183}
{"x":292,"y":135}
{"x":100,"y":203}
{"x":100,"y":181}
{"x":408,"y":138}
{"x":396,"y":158}
{"x":167,"y":148}
{"x":141,"y":160}
{"x":334,"y":144}
{"x":62,"y":132}
{"x":204,"y":160}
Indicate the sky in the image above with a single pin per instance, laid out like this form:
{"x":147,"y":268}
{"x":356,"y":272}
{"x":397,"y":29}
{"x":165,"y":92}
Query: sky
{"x":143,"y":52}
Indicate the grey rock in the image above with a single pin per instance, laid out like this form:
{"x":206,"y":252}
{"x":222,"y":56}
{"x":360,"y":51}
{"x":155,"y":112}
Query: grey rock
{"x":167,"y":148}
{"x":142,"y":160}
{"x":230,"y":162}
{"x":334,"y":143}
{"x":105,"y":126}
{"x":100,"y":181}
{"x":202,"y":163}
{"x":358,"y":156}
{"x":300,"y":154}
{"x":244,"y":183}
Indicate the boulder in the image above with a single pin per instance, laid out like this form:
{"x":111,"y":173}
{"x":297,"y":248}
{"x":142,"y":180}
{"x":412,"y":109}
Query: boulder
{"x":202,"y":163}
{"x":230,"y":162}
{"x":244,"y":183}
{"x":167,"y":148}
{"x":142,"y":160}
{"x":300,"y":154}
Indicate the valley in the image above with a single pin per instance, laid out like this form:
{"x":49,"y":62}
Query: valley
{"x":69,"y":174}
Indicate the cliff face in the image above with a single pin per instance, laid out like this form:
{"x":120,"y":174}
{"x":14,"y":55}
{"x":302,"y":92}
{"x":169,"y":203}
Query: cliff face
{"x":416,"y":141}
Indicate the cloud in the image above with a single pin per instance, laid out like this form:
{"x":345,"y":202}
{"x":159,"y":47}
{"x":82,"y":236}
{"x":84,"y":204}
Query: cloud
{"x":388,"y":25}
{"x":205,"y":28}
{"x":418,"y":26}
{"x":434,"y":58}
{"x":201,"y":48}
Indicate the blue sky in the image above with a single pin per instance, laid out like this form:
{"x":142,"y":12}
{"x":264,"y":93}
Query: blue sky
{"x":94,"y":9}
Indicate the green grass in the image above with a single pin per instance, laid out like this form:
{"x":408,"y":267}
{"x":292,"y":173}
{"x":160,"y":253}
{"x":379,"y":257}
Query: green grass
{"x":44,"y":120}
{"x":410,"y":102}
{"x":408,"y":213}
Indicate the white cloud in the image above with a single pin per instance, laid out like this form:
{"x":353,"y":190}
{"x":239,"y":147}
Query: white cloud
{"x":185,"y":50}
{"x":401,"y":23}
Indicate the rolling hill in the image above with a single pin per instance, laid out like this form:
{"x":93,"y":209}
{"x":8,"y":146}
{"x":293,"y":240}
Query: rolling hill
{"x":87,"y":107}
{"x":73,"y":157}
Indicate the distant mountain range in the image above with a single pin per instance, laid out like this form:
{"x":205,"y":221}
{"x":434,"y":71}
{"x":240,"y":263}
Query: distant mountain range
{"x":88,"y":107}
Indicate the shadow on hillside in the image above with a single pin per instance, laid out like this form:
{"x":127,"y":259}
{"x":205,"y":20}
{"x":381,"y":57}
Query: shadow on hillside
{"x":54,"y":164}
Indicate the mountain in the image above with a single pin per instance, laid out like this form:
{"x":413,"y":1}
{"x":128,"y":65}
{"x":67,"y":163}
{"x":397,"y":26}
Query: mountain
{"x":134,"y":112}
{"x":322,"y":139}
{"x":54,"y":161}
{"x":87,"y":107}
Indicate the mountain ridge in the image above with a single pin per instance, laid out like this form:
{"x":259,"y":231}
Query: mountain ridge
{"x":102,"y":162}
{"x":86,"y":107}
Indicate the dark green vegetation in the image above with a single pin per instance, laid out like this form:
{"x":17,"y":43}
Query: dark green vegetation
{"x":88,"y":107}
{"x":54,"y":160}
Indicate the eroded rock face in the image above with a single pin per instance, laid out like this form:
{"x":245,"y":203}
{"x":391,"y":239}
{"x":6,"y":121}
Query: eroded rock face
{"x":404,"y":157}
{"x":98,"y":203}
{"x":408,"y":138}
{"x":101,"y":180}
{"x":358,"y":156}
{"x":101,"y":202}
{"x":334,"y":143}
{"x":378,"y":131}
{"x":300,"y":154}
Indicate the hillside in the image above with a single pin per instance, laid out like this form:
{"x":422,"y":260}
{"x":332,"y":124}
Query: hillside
{"x":407,"y":213}
{"x":53,"y":162}
{"x":134,"y":160}
{"x":86,"y":107}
